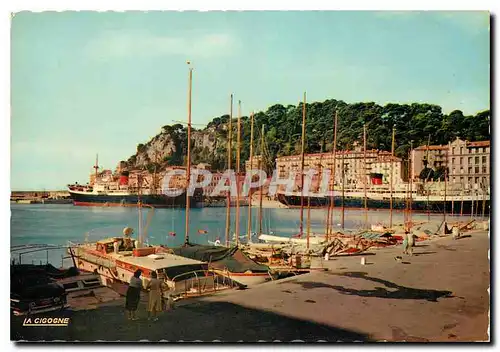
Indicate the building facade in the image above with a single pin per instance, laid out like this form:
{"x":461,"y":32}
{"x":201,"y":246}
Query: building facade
{"x":352,"y":168}
{"x":467,"y":163}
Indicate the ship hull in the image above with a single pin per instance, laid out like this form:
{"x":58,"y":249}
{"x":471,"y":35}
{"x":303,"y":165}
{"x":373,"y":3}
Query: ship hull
{"x":456,"y":207}
{"x":129,"y":200}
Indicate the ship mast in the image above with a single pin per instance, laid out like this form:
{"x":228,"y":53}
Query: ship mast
{"x":364,"y":175}
{"x":301,"y":228}
{"x":139,"y":205}
{"x":228,"y":201}
{"x":96,"y":167}
{"x":343,"y":190}
{"x":410,"y":166}
{"x":237,"y":232}
{"x":445,"y":184}
{"x":392,"y":174}
{"x":188,"y":177}
{"x":331,"y":205}
{"x":427,"y":179}
{"x":261,"y":162}
{"x":249,"y":222}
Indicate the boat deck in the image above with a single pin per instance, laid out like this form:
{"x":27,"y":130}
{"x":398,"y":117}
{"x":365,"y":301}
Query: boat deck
{"x":151,"y":262}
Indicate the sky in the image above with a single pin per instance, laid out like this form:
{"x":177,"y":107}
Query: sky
{"x":84,"y":83}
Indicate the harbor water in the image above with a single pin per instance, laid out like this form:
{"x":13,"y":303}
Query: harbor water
{"x":56,"y":224}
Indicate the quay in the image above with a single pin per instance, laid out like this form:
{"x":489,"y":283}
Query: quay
{"x":40,"y":197}
{"x":440,"y":294}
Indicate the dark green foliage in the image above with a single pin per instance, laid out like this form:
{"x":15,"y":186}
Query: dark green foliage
{"x":283,"y":126}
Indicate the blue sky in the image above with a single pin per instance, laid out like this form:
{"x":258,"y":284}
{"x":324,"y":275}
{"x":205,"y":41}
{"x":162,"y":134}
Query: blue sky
{"x":86,"y":82}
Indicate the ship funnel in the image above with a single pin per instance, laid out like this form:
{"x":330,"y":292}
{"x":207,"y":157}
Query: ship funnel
{"x":124,"y":178}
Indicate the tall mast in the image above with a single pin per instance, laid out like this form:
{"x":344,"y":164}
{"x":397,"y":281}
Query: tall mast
{"x":462,"y":199}
{"x":228,"y":202}
{"x":343,"y":190}
{"x":188,"y":166}
{"x":392,"y":173}
{"x":427,"y":178}
{"x":445,"y":183}
{"x":364,"y":175}
{"x":484,"y":190}
{"x":410,"y":166}
{"x":331,"y":205}
{"x":96,"y":167}
{"x":249,"y":222}
{"x":261,"y":162}
{"x":139,"y":206}
{"x":238,"y":175}
{"x":308,"y":220}
{"x":301,"y":228}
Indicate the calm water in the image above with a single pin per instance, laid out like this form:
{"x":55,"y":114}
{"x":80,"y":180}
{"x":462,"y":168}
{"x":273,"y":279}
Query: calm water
{"x":58,"y":224}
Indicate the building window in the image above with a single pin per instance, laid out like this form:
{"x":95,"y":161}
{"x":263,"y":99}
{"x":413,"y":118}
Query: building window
{"x":470,"y":169}
{"x":461,"y":160}
{"x":453,"y":160}
{"x":484,"y":169}
{"x":476,"y":159}
{"x":461,"y":150}
{"x":484,"y":159}
{"x":477,"y":169}
{"x":476,"y":180}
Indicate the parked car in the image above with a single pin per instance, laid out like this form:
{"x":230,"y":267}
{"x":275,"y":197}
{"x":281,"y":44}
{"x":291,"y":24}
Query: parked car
{"x":33,"y":291}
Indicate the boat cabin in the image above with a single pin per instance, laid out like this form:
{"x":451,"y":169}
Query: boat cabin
{"x":125,"y":246}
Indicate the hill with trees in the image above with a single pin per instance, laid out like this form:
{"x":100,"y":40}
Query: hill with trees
{"x":413,"y":122}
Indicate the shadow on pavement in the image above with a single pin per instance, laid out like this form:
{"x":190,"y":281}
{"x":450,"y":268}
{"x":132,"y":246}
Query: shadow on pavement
{"x":198,"y":322}
{"x":399,"y":292}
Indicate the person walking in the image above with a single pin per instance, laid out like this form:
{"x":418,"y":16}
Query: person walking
{"x":155,"y":287}
{"x":133,"y":295}
{"x":408,"y":243}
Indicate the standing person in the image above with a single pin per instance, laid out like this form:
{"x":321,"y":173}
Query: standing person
{"x":408,"y":243}
{"x":155,"y":295}
{"x":133,"y":295}
{"x":411,"y":243}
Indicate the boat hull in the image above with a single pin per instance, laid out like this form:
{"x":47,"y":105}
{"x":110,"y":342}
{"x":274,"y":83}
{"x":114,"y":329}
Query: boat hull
{"x":129,"y":200}
{"x":247,"y":279}
{"x":457,"y":207}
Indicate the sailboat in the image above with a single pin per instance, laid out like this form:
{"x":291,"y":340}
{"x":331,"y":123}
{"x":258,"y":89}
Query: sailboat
{"x":228,"y":261}
{"x":117,"y":257}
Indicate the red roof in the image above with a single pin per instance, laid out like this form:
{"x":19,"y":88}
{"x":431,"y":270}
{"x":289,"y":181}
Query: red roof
{"x":479,"y":144}
{"x":432,"y":147}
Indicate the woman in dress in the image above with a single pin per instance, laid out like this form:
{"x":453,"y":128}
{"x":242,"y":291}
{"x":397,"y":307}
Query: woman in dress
{"x":155,"y":287}
{"x":133,"y":295}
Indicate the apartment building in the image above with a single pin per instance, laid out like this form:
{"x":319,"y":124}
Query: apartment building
{"x":358,"y":169}
{"x":468,"y":163}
